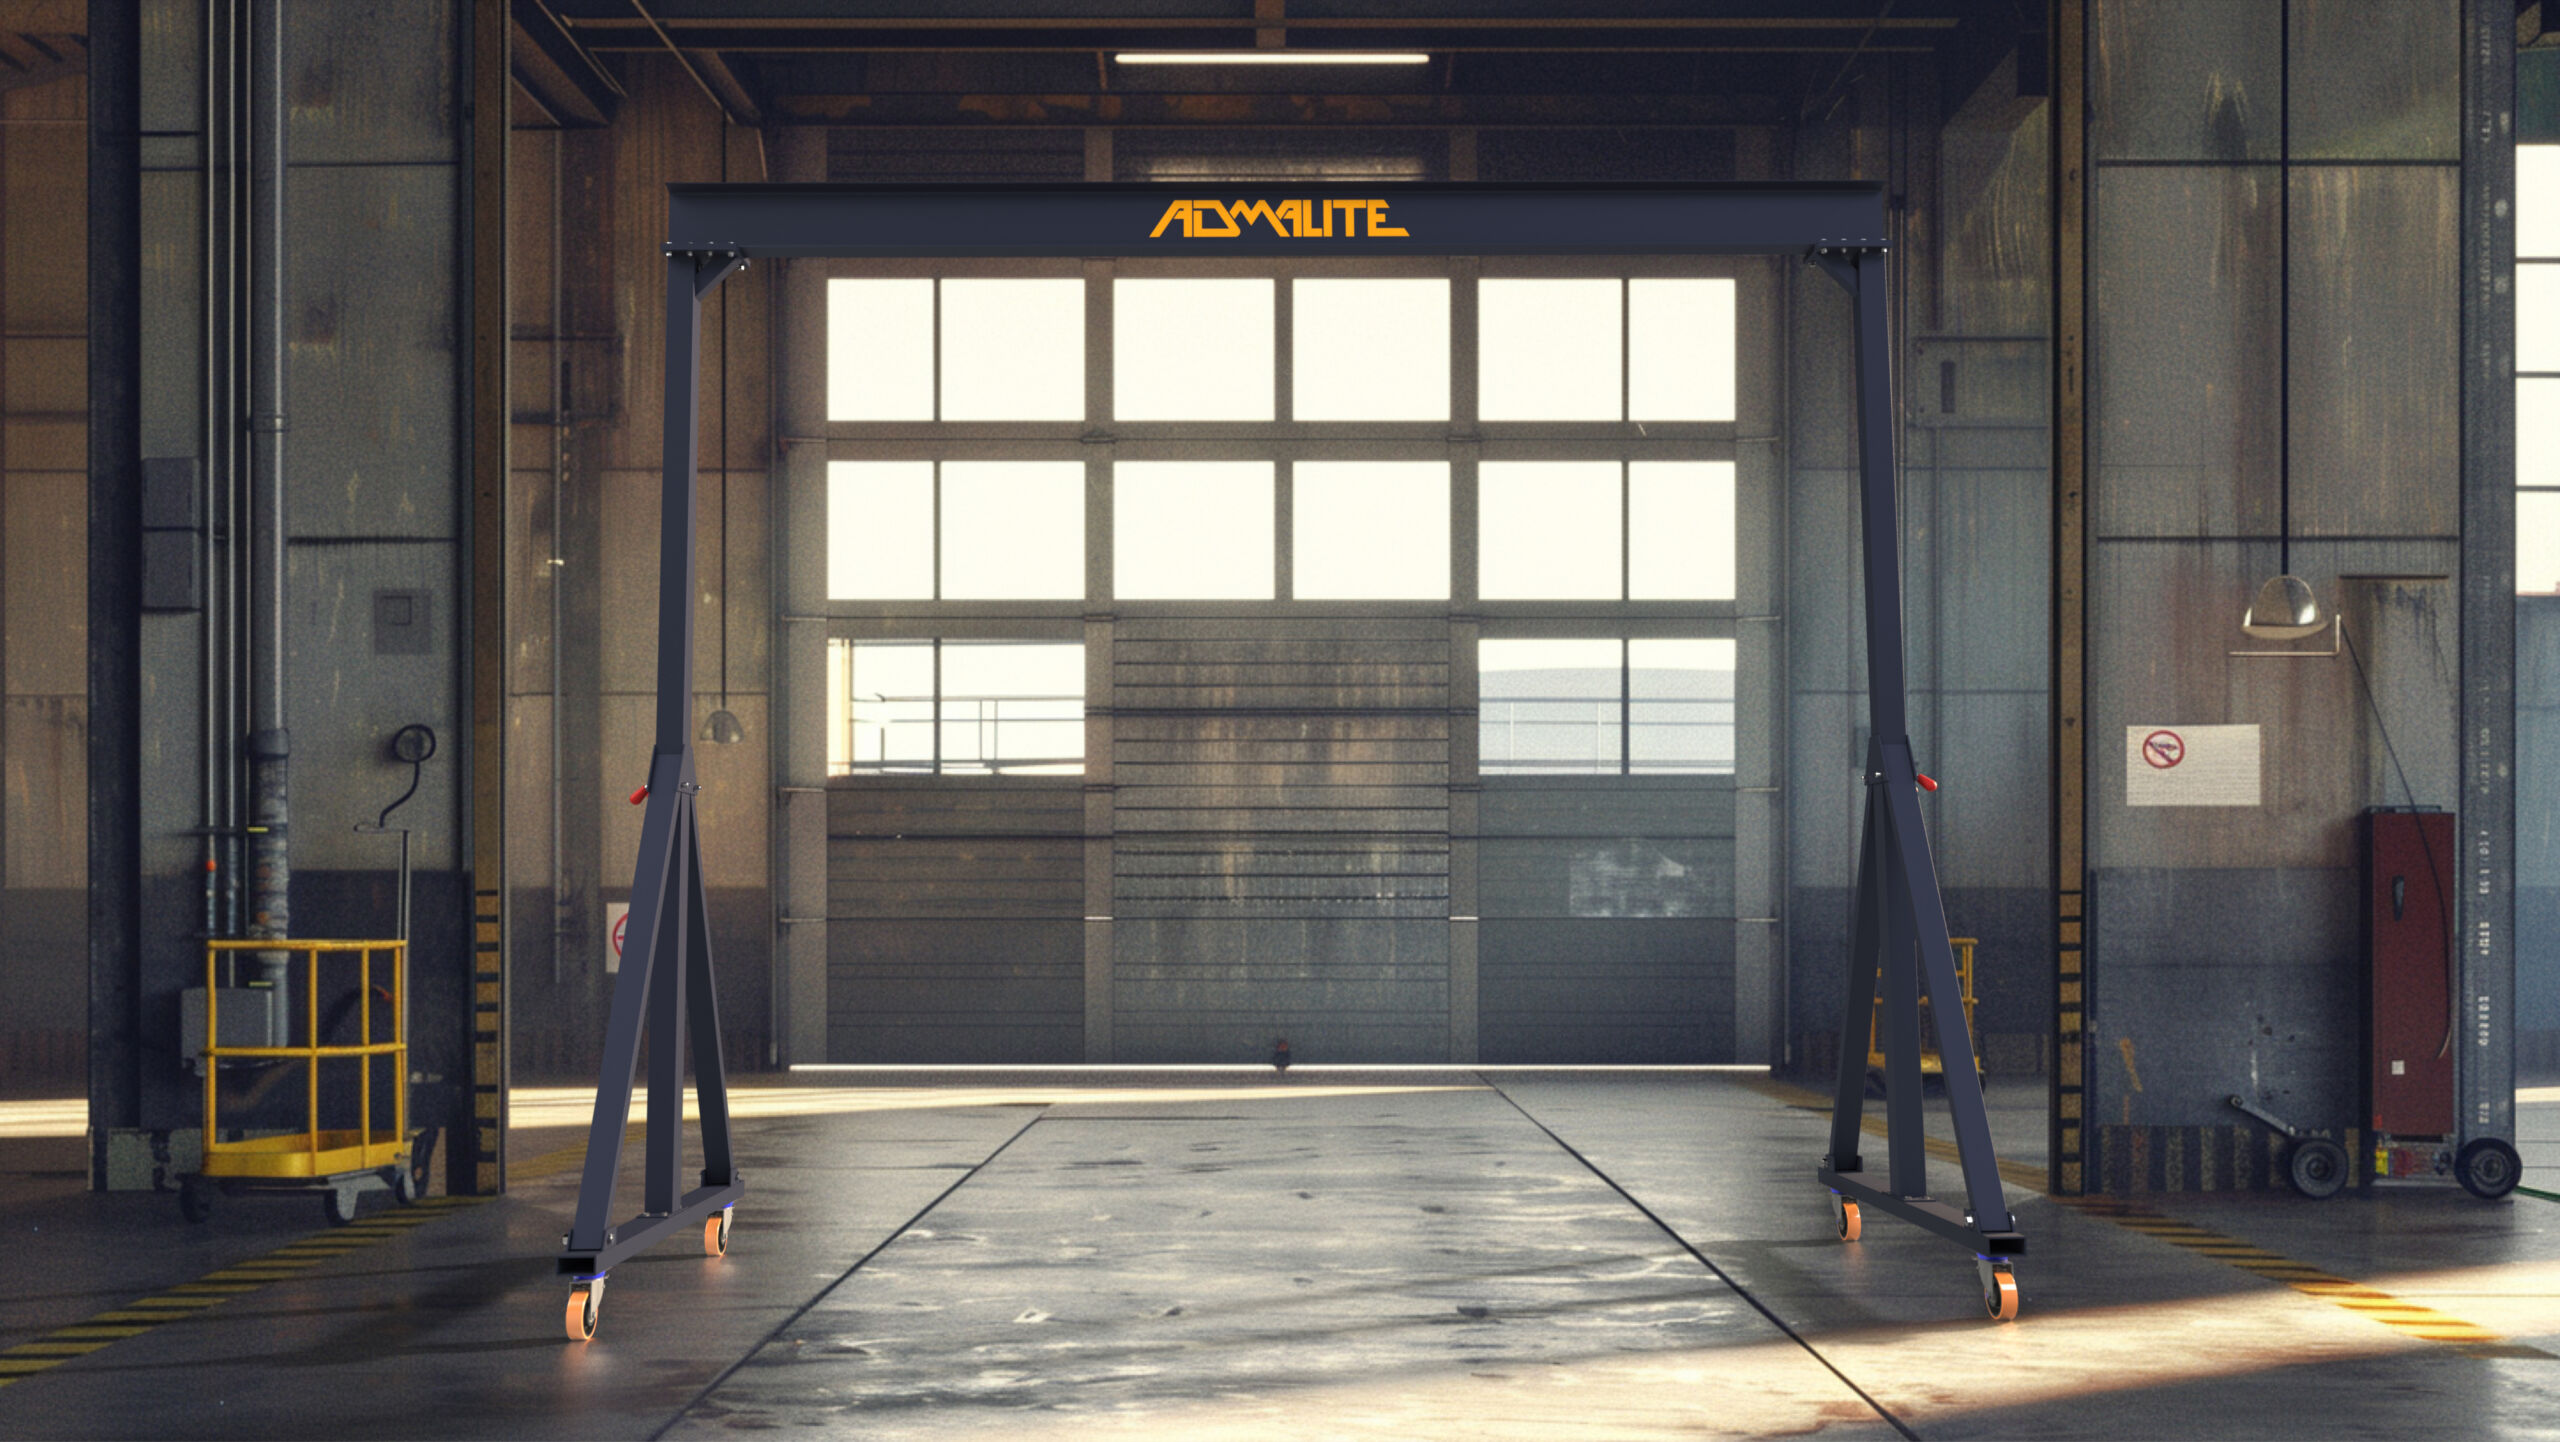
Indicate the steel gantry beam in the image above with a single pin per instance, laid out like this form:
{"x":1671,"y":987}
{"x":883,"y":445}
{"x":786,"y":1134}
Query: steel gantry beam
{"x":665,"y":988}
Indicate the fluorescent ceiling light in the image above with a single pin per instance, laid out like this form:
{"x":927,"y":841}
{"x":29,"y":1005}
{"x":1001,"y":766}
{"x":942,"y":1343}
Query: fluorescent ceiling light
{"x":1272,"y":57}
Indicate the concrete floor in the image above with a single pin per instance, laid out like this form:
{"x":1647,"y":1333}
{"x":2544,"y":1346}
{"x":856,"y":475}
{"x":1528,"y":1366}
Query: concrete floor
{"x":1443,"y":1254}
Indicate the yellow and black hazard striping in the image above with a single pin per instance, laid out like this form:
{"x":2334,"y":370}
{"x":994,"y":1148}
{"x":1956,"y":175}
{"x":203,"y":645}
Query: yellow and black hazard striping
{"x":188,"y":1299}
{"x":2410,"y":1319}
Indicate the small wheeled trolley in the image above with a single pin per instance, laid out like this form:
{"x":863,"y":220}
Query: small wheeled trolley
{"x":345,"y":1147}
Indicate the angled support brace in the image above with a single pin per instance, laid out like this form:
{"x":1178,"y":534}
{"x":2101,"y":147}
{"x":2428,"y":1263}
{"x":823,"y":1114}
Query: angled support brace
{"x":1899,"y":951}
{"x":665,"y":989}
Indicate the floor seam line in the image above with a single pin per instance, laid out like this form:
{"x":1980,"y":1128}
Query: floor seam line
{"x":769,"y":1338}
{"x":1703,"y":1260}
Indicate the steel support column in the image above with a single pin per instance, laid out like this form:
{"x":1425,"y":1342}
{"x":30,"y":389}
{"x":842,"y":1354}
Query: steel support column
{"x":2486,"y":896}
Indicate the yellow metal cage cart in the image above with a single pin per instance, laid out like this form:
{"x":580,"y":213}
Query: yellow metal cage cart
{"x":341,"y":1163}
{"x":1933,"y":1068}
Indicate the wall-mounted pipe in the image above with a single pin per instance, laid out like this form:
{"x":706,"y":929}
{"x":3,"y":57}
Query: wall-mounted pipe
{"x":270,"y":743}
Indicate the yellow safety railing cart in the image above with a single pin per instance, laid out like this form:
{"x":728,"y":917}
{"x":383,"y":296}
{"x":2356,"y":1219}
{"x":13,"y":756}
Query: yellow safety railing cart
{"x":341,"y":1162}
{"x":1933,"y":1067}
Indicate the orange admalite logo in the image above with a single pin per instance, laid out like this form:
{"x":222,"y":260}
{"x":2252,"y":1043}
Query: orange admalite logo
{"x":1290,"y":219}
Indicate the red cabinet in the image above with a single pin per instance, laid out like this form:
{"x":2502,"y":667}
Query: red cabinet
{"x":2408,"y":932}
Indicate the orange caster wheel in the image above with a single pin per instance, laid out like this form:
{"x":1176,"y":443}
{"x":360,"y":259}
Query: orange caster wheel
{"x":1999,"y":1290}
{"x":585,"y":1300}
{"x":715,"y":1233}
{"x":1845,"y":1217}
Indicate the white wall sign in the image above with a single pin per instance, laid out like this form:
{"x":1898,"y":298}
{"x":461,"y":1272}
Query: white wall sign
{"x":2191,"y":766}
{"x":617,"y":916}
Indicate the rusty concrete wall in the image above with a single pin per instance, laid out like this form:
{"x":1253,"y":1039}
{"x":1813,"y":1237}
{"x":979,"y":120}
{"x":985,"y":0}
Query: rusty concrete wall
{"x":587,"y":212}
{"x":2274,"y":290}
{"x":1972,"y":285}
{"x":43,"y":578}
{"x":375,"y":506}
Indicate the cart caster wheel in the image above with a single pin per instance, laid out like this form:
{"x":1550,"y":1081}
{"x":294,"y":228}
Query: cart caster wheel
{"x":585,"y":1300}
{"x":195,"y":1199}
{"x":2318,"y":1168}
{"x":715,"y":1233}
{"x":2488,"y":1168}
{"x":1846,"y":1217}
{"x":339,"y":1205}
{"x":404,"y":1185}
{"x":1999,"y":1291}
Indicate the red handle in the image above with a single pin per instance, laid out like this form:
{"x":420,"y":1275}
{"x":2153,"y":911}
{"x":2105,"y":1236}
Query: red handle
{"x":643,"y":794}
{"x":1925,"y":783}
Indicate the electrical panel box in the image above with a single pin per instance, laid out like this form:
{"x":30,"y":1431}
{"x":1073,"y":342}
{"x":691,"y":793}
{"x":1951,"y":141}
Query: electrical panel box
{"x":2408,"y":931}
{"x":251,"y":1016}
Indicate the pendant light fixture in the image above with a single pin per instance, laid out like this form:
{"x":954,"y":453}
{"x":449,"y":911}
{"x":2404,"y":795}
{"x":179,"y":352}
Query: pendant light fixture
{"x":2284,"y":608}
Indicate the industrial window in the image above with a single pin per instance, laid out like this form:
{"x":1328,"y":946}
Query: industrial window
{"x":955,"y":350}
{"x":1369,"y":350}
{"x":955,"y":530}
{"x":946,"y":708}
{"x":2538,"y":369}
{"x":1370,"y":531}
{"x":1193,"y":531}
{"x":1192,"y":350}
{"x":1609,"y":707}
{"x":1606,"y":708}
{"x":1606,"y":350}
{"x":1605,"y":530}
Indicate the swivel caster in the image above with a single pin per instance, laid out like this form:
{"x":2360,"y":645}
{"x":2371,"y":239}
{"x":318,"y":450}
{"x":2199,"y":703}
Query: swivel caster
{"x":2488,"y":1168}
{"x":2317,"y":1167}
{"x":195,"y":1199}
{"x":715,"y":1233}
{"x":585,"y":1300}
{"x":1845,"y":1217}
{"x":1999,"y":1289}
{"x":339,"y":1203}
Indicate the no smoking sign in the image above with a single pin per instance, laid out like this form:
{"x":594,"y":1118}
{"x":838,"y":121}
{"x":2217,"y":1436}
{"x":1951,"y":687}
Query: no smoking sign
{"x":2161,"y":749}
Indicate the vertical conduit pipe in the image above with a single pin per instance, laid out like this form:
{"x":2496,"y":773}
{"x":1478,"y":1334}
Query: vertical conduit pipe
{"x":270,"y":747}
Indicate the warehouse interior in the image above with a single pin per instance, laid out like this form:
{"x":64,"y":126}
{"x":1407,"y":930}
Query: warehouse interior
{"x":1280,"y":833}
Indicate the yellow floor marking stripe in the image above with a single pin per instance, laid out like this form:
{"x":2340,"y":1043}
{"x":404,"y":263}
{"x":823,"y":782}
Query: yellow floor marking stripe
{"x":188,"y":1299}
{"x":2408,"y":1318}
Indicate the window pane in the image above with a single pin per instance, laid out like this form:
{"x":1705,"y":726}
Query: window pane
{"x":1547,"y":531}
{"x":1012,"y":530}
{"x":2538,"y":433}
{"x":2537,"y":542}
{"x":1013,"y":708}
{"x":1191,"y":350}
{"x":880,"y":530}
{"x":892,"y":687}
{"x":2538,"y":200}
{"x":1680,"y":706}
{"x":1680,"y":531}
{"x":1370,"y":530}
{"x":2538,"y":317}
{"x":1547,"y":350}
{"x":1548,"y":706}
{"x":880,"y":350}
{"x":1369,"y":350}
{"x":839,"y":707}
{"x":1013,"y":350}
{"x":1680,"y":350}
{"x":1192,"y":531}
